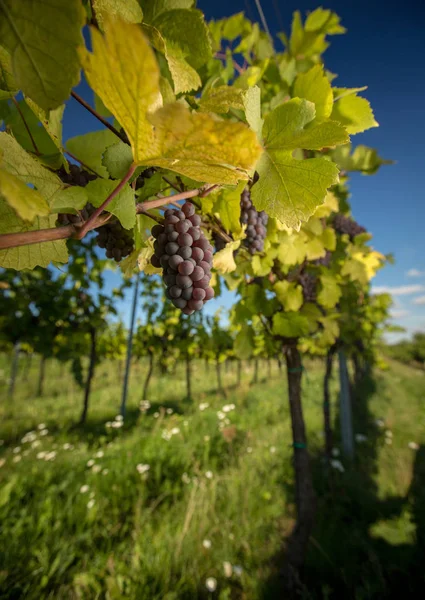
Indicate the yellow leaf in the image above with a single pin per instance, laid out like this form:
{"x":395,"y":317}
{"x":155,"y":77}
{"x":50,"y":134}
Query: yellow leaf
{"x":123,"y":72}
{"x":330,"y":205}
{"x":28,"y":203}
{"x":201,"y":146}
{"x":223,"y":260}
{"x":290,"y":295}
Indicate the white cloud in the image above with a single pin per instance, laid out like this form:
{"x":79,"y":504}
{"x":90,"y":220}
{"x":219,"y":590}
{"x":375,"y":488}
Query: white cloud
{"x":415,"y":273}
{"x":402,"y":290}
{"x":399,"y":314}
{"x":419,"y":300}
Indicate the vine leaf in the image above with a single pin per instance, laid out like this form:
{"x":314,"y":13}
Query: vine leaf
{"x":220,"y":99}
{"x":330,"y":291}
{"x":290,"y":324}
{"x":122,"y":206}
{"x":43,"y":41}
{"x":117,"y":159}
{"x":223,"y":260}
{"x":69,"y":200}
{"x":364,"y":159}
{"x":127,"y":81}
{"x":27,"y":202}
{"x":90,"y":148}
{"x":244,"y":342}
{"x":252,"y":106}
{"x":34,"y":255}
{"x":315,"y":87}
{"x":26,"y":168}
{"x":51,"y":121}
{"x":128,"y":10}
{"x":202,"y":147}
{"x":8,"y":86}
{"x":228,"y":205}
{"x":289,"y":189}
{"x":290,"y":295}
{"x":355,"y":113}
{"x":154,"y":8}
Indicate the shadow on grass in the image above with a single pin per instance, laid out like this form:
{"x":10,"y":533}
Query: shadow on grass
{"x":346,"y":559}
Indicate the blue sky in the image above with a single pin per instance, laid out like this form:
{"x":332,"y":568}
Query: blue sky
{"x":384,"y":48}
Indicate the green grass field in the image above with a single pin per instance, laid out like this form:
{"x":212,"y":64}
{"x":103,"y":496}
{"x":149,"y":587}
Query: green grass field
{"x":177,"y":495}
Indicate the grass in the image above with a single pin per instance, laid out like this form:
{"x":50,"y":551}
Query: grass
{"x":143,"y":535}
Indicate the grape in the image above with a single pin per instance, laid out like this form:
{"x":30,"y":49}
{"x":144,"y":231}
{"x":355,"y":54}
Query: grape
{"x":308,"y":283}
{"x":76,"y":176}
{"x":186,"y":258}
{"x":117,"y":240}
{"x":343,"y":224}
{"x":325,"y":261}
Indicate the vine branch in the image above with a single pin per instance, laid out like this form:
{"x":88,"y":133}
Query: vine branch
{"x":99,"y":117}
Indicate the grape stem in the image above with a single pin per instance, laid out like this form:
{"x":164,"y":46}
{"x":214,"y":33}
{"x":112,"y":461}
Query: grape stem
{"x":87,"y":225}
{"x":99,"y":117}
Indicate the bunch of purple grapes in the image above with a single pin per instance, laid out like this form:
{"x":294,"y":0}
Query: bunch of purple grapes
{"x":325,"y":261}
{"x":185,"y":255}
{"x":118,"y":241}
{"x":343,"y":224}
{"x":256,"y":224}
{"x":76,"y":176}
{"x":308,"y":283}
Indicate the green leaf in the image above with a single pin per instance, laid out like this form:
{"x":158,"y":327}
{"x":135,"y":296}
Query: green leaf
{"x":122,"y":206}
{"x":27,"y":202}
{"x":8,"y":86}
{"x":330,"y":291}
{"x":117,"y":159}
{"x":224,"y":261}
{"x":290,"y":295}
{"x":315,"y":86}
{"x":262,"y":265}
{"x":364,"y":159}
{"x":31,"y":256}
{"x":354,"y":113}
{"x":18,"y":162}
{"x":220,"y":99}
{"x":185,"y":78}
{"x":290,"y":325}
{"x":186,"y":30}
{"x":69,"y":200}
{"x":252,"y":106}
{"x":51,"y":121}
{"x":100,"y":107}
{"x":317,"y":19}
{"x":202,"y":147}
{"x":244,"y":342}
{"x":154,"y":8}
{"x":128,"y":10}
{"x":90,"y":148}
{"x":228,"y":205}
{"x":150,"y":187}
{"x":45,"y":62}
{"x":289,"y":189}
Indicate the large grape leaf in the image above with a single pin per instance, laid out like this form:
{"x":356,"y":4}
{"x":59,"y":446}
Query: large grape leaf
{"x":364,"y":159}
{"x":354,"y":113}
{"x":289,"y":189}
{"x":127,"y":10}
{"x":362,"y":267}
{"x":290,"y":295}
{"x":220,"y":99}
{"x":122,"y":206}
{"x":26,"y":168}
{"x":330,"y":292}
{"x":51,"y":121}
{"x":290,"y":324}
{"x":202,"y":147}
{"x":315,"y":86}
{"x":27,"y":202}
{"x":69,"y":200}
{"x":43,"y":39}
{"x":31,"y":256}
{"x":228,"y":205}
{"x":123,"y":72}
{"x":117,"y":159}
{"x":244,"y":342}
{"x":90,"y":148}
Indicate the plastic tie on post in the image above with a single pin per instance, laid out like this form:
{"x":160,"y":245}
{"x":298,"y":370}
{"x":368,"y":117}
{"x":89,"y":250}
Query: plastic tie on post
{"x":299,"y":445}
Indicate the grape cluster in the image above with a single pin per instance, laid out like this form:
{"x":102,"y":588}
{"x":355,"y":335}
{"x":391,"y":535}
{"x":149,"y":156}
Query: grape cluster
{"x":325,"y":261}
{"x":76,"y":176}
{"x":343,"y":224}
{"x":118,"y":241}
{"x":83,"y":215}
{"x":219,"y":243}
{"x":185,"y":255}
{"x":256,"y":224}
{"x":308,"y":283}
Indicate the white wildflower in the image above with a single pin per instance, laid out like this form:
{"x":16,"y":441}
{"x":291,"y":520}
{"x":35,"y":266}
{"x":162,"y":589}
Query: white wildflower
{"x":228,"y":407}
{"x":105,"y":471}
{"x":35,"y":444}
{"x":143,"y":468}
{"x":91,"y":503}
{"x":99,"y":454}
{"x":249,"y":449}
{"x":209,"y":474}
{"x":144,"y":405}
{"x":16,"y":450}
{"x":50,"y":455}
{"x":156,"y":415}
{"x":119,"y":418}
{"x":90,"y":463}
{"x":203,"y":405}
{"x":117,"y":424}
{"x":44,"y":432}
{"x":185,"y":478}
{"x":272,"y":449}
{"x":221,"y":415}
{"x":108,"y":424}
{"x":175,"y":431}
{"x":335,"y":452}
{"x":211,"y":584}
{"x":41,"y":426}
{"x":380,"y":423}
{"x":388,"y":434}
{"x":29,"y":437}
{"x":360,"y":437}
{"x":17,"y":458}
{"x":96,"y":468}
{"x":41,"y":455}
{"x":169,"y":411}
{"x":67,"y":446}
{"x":337,"y":464}
{"x":207,"y":544}
{"x":388,"y":441}
{"x":206,"y":438}
{"x":227,"y":568}
{"x":413,"y":446}
{"x":84,"y":489}
{"x":237,"y":570}
{"x":166,"y":435}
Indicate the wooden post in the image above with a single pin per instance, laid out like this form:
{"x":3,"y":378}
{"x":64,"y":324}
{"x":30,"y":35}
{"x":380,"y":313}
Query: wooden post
{"x":90,"y":374}
{"x":327,"y":423}
{"x":148,"y":377}
{"x":129,"y":346}
{"x":345,"y":408}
